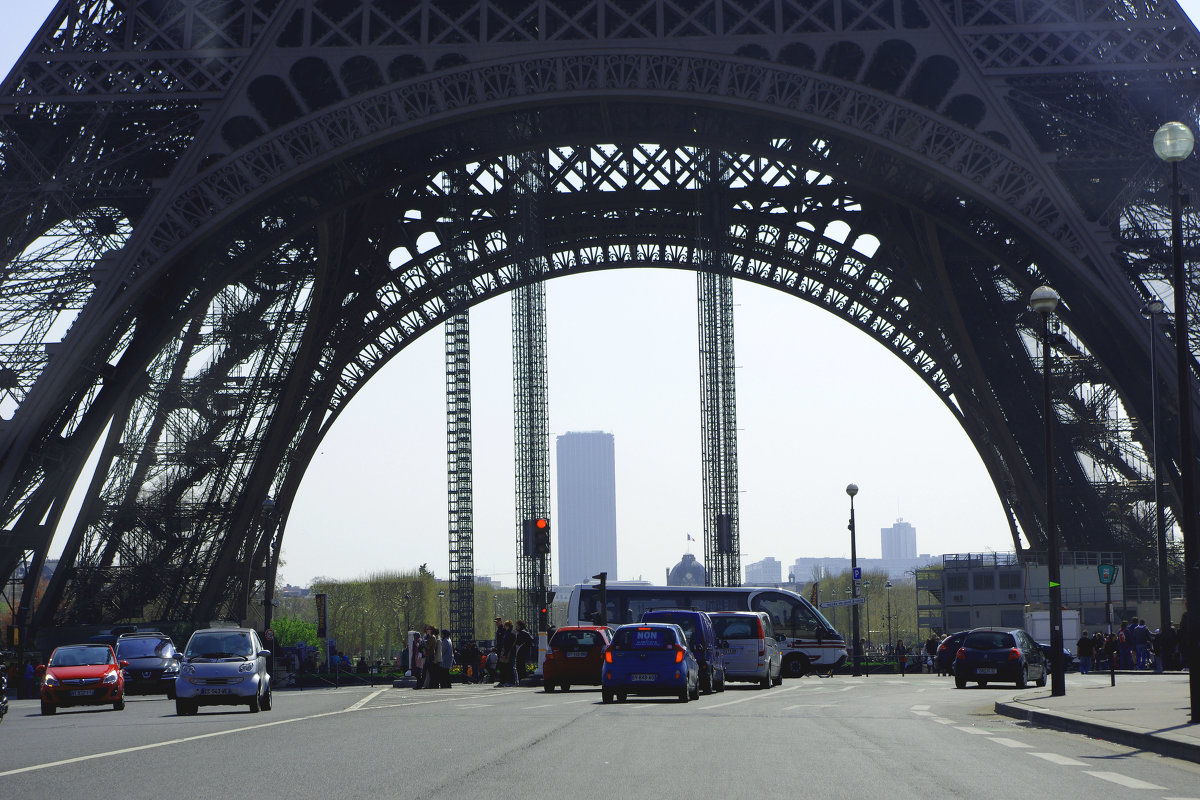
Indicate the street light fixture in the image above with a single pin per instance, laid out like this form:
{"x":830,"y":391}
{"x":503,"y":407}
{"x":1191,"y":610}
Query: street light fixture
{"x":1043,"y":301}
{"x":1173,"y":143}
{"x":1152,"y":311}
{"x":269,"y":522}
{"x":856,"y":658}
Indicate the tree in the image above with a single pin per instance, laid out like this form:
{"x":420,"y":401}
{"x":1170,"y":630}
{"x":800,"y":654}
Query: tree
{"x":290,"y":631}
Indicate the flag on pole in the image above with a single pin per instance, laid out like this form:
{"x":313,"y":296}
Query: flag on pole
{"x":690,"y":539}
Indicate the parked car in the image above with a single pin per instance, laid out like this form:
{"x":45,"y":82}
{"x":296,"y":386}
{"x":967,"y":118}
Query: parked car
{"x":947,"y":650}
{"x":223,"y":666}
{"x":650,"y":658}
{"x":749,"y":647}
{"x":989,"y":655}
{"x":1068,"y":660}
{"x":3,"y":693}
{"x":153,"y":663}
{"x":575,"y":656}
{"x":702,"y":640}
{"x":82,"y":675}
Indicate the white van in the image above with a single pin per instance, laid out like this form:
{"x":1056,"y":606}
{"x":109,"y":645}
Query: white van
{"x":750,"y":646}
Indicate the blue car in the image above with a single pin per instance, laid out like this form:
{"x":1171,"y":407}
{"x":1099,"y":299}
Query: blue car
{"x":649,"y":658}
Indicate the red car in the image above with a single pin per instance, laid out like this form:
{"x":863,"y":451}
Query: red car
{"x":575,"y":656}
{"x":83,"y":675}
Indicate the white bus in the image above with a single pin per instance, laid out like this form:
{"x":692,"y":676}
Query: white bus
{"x":809,"y":641}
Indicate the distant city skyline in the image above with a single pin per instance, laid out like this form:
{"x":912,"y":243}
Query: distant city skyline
{"x":587,"y":506}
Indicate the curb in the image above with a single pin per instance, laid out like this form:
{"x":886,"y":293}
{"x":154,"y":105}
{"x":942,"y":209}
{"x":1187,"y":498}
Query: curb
{"x":1164,"y":744}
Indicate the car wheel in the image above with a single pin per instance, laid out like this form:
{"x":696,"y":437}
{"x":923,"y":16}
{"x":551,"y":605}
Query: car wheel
{"x":1022,"y":679}
{"x":254,"y":705}
{"x":267,"y":700}
{"x":1042,"y":680}
{"x":48,"y":708}
{"x":185,"y":707}
{"x":960,"y":683}
{"x":721,"y":685}
{"x":795,"y":666}
{"x":549,"y":687}
{"x":566,"y":687}
{"x":778,"y":679}
{"x":765,"y":683}
{"x":171,"y":693}
{"x":606,"y":696}
{"x":982,"y":683}
{"x":119,"y":705}
{"x":696,"y":692}
{"x":621,"y":697}
{"x":685,"y":695}
{"x":706,"y":684}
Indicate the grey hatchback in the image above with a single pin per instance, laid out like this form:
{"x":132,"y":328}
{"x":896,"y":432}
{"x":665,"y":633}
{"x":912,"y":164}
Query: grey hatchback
{"x":223,"y":666}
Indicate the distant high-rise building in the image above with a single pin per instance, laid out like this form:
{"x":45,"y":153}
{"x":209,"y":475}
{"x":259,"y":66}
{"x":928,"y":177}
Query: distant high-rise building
{"x":767,"y":571}
{"x":587,"y":506}
{"x":898,"y":541}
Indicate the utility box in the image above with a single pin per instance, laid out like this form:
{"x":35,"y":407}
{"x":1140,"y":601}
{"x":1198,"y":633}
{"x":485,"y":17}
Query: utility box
{"x":1037,"y":625}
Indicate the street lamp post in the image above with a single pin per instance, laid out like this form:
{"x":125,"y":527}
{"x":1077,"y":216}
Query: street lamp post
{"x":407,"y":612}
{"x":1044,"y":300}
{"x":856,"y":658}
{"x":441,"y":594}
{"x":1173,"y":143}
{"x":269,"y":521}
{"x":1151,"y":312}
{"x":888,"y":586}
{"x":867,"y":612}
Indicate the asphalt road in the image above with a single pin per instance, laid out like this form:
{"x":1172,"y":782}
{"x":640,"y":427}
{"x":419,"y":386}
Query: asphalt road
{"x":811,"y":737}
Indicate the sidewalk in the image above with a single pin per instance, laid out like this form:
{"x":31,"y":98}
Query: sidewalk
{"x":1144,"y":711}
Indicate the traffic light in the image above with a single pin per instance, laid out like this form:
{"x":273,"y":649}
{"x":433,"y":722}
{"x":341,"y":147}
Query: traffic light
{"x":541,"y":536}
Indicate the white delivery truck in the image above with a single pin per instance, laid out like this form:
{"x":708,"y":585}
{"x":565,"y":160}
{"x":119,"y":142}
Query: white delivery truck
{"x":1037,"y":624}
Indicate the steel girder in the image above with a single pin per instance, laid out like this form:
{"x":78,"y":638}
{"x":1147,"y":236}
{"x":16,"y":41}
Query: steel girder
{"x":208,"y":166}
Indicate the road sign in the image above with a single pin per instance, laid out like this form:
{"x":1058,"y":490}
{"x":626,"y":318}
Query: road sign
{"x":1108,"y":573}
{"x":858,"y":573}
{"x":853,"y":601}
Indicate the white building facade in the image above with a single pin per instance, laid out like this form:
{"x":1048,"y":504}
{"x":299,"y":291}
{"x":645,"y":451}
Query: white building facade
{"x":587,"y":506}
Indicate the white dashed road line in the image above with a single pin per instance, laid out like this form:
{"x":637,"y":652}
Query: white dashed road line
{"x":1123,"y":780}
{"x":1055,"y":758}
{"x":1008,"y":742}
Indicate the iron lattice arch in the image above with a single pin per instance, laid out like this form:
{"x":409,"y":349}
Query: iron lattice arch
{"x":230,"y":243}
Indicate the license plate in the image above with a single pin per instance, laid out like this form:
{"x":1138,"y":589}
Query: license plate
{"x":985,"y":671}
{"x":732,"y":651}
{"x":577,"y":655}
{"x":210,"y":690}
{"x":643,"y":677}
{"x":81,"y":693}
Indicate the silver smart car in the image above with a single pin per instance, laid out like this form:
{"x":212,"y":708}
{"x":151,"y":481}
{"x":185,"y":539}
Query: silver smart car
{"x":223,"y":666}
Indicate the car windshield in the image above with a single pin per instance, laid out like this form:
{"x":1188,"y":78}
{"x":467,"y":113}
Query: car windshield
{"x":644,"y":638}
{"x":576,"y":640}
{"x":685,"y":621}
{"x":735,"y":627}
{"x":219,"y":644}
{"x":144,"y":647}
{"x":81,"y":656}
{"x":989,"y":640}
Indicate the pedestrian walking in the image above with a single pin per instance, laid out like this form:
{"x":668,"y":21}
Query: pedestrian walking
{"x":506,"y":642}
{"x":447,"y":660}
{"x":523,"y":648}
{"x":901,"y":655}
{"x":432,"y":647}
{"x":931,"y":646}
{"x":1084,"y":649}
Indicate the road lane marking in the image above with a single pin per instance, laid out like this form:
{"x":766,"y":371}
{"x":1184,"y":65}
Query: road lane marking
{"x":920,"y":708}
{"x":482,"y":705}
{"x":979,"y":731}
{"x":943,"y":721}
{"x":1123,"y":780}
{"x":923,"y":713}
{"x":810,"y":705}
{"x":1065,"y":761}
{"x":1008,"y":742}
{"x":756,"y":696}
{"x":366,"y":700}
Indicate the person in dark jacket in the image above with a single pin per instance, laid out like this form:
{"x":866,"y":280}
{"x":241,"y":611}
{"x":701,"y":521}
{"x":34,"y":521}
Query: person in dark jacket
{"x":522,"y":649}
{"x":505,"y":644}
{"x":1083,"y":648}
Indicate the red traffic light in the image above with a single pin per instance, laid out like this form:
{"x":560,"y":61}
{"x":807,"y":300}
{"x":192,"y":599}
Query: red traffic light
{"x":541,"y":524}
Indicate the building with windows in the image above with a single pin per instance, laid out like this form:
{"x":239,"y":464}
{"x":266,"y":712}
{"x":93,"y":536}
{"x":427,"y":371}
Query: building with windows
{"x":898,"y":542}
{"x":587,"y":506}
{"x":768,"y":572}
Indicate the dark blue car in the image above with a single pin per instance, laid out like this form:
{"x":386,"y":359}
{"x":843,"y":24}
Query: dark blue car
{"x":650,"y":658}
{"x":988,"y":655}
{"x":701,"y":639}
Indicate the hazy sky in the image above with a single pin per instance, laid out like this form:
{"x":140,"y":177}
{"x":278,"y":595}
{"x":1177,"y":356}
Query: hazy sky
{"x":820,"y":405}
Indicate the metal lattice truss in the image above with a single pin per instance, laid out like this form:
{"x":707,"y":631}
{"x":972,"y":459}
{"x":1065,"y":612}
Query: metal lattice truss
{"x":210,"y":213}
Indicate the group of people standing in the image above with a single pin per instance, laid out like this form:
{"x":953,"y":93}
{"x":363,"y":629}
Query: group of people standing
{"x":430,"y":657}
{"x":514,"y":645}
{"x":1133,"y":646}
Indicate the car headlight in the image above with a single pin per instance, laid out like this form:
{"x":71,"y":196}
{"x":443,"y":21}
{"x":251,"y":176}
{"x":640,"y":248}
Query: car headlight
{"x":247,"y":667}
{"x":110,"y":677}
{"x":188,"y":669}
{"x":50,"y":680}
{"x":171,"y":670}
